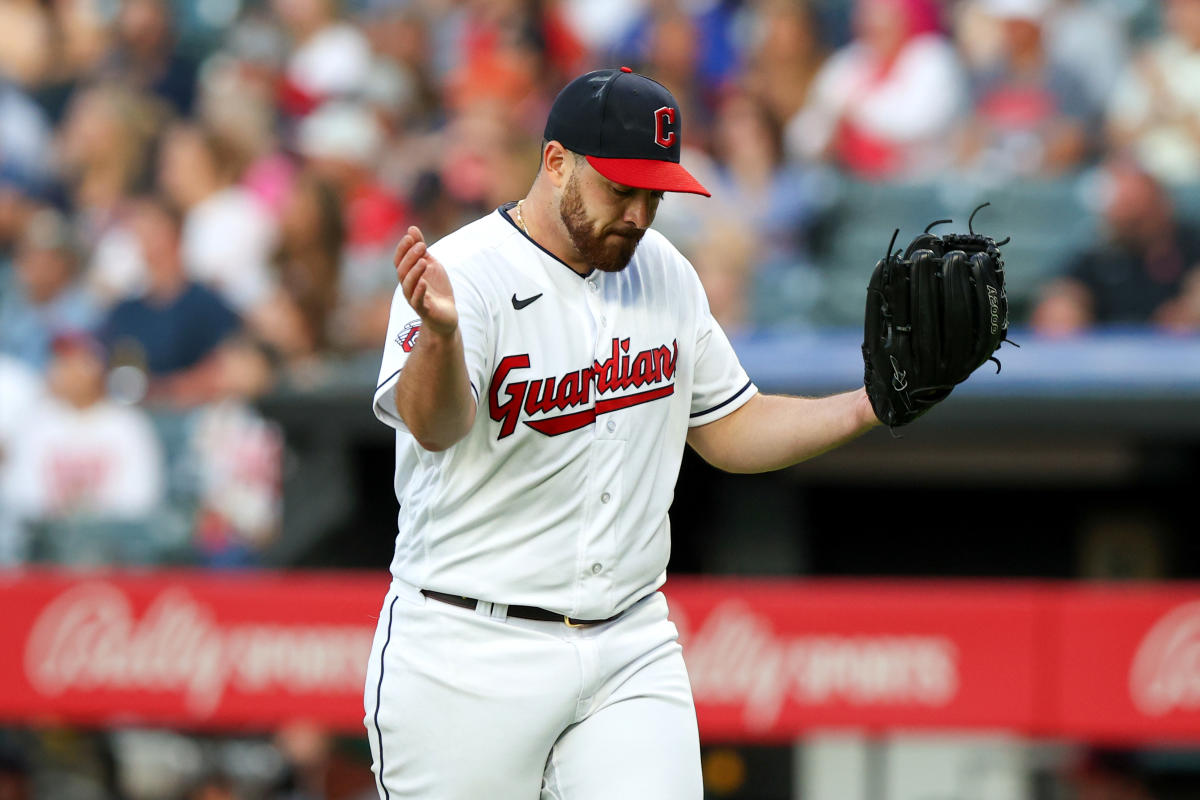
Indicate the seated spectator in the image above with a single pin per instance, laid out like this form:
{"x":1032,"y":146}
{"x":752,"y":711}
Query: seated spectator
{"x":307,"y":264}
{"x":80,"y":454}
{"x":145,"y":55}
{"x":26,"y":41}
{"x":885,"y":106}
{"x":25,"y":135}
{"x":340,"y":143}
{"x":102,"y":147}
{"x":175,"y":327}
{"x":228,"y":235}
{"x":1031,"y":114}
{"x":45,"y":297}
{"x":1148,"y":270}
{"x":788,"y":55}
{"x":1155,"y":108}
{"x":775,"y":199}
{"x":331,"y":58}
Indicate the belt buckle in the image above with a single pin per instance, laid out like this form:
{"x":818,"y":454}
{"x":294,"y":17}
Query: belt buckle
{"x":570,"y":624}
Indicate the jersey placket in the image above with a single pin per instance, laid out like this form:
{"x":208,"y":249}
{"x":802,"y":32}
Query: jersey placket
{"x":603,"y":481}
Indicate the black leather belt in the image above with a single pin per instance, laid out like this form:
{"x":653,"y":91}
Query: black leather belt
{"x":521,"y":612}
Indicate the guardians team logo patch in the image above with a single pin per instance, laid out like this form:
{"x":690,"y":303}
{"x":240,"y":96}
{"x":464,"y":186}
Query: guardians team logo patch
{"x":407,"y":337}
{"x":549,"y":404}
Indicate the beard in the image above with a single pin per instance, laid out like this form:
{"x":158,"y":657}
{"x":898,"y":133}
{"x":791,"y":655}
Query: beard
{"x":608,"y":251}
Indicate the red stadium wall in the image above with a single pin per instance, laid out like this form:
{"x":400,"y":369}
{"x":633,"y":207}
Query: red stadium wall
{"x":768,"y":659}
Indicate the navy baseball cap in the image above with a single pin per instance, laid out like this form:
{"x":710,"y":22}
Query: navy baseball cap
{"x":627,"y":125}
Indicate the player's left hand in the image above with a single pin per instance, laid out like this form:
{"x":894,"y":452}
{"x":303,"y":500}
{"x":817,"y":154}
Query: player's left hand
{"x":934,"y":315}
{"x":425,"y":284}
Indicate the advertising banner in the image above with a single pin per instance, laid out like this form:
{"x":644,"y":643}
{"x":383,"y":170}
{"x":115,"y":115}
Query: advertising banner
{"x":768,"y":659}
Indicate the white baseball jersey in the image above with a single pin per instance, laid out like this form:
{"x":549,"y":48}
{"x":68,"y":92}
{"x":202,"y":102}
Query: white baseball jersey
{"x":586,"y":387}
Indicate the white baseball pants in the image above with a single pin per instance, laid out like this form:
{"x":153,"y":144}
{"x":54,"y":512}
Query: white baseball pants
{"x":468,"y":704}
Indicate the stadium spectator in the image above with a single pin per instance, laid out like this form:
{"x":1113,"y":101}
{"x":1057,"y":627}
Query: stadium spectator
{"x":102,"y":149}
{"x":46,"y":296}
{"x":79,"y":454}
{"x":1146,"y":271}
{"x":237,"y":458}
{"x":1092,"y":40}
{"x":228,"y":236}
{"x":307,"y":264}
{"x":26,"y":41}
{"x":16,"y":208}
{"x":25,"y":135}
{"x":236,"y":103}
{"x":786,"y":55}
{"x":144,"y":55}
{"x":885,"y":106}
{"x":1030,"y":115}
{"x":1155,"y":106}
{"x":340,"y":143}
{"x":173,"y":330}
{"x":330,"y":58}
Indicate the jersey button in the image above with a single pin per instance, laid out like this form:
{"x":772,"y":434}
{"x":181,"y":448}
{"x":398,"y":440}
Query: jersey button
{"x":604,"y":498}
{"x":612,"y":426}
{"x":596,"y":568}
{"x":604,"y":322}
{"x":593,"y":286}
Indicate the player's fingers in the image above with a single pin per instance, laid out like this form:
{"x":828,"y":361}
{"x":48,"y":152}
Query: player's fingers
{"x":417,"y":301}
{"x":410,"y":258}
{"x":410,"y":279}
{"x":415,"y":233}
{"x":402,"y":247}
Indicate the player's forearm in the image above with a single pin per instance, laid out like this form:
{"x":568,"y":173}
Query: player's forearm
{"x":772,"y":431}
{"x":433,"y":393}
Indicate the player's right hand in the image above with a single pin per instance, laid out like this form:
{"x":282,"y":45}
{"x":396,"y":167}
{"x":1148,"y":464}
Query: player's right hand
{"x":425,"y":283}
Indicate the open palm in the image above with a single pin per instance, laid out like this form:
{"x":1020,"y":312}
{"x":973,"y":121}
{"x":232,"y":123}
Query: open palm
{"x":425,"y":283}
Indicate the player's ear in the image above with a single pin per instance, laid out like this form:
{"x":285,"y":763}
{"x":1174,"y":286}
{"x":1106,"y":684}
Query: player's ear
{"x":556,"y":161}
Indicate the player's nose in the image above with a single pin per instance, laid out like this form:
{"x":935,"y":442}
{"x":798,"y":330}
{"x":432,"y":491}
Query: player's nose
{"x":639,"y":211}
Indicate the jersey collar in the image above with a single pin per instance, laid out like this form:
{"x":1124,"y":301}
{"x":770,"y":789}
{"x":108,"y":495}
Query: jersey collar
{"x":504,"y":210}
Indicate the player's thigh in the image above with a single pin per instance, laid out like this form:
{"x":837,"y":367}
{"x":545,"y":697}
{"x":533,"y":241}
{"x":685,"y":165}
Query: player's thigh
{"x":642,"y":744}
{"x":461,"y":707}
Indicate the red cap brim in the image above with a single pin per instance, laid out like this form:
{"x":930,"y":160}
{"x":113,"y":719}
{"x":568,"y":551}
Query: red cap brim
{"x":643,"y":173}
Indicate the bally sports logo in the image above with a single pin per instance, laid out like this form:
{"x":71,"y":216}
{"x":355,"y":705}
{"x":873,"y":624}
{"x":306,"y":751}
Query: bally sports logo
{"x":735,"y":656}
{"x":89,"y":639}
{"x":1165,"y":675}
{"x":542,"y":397}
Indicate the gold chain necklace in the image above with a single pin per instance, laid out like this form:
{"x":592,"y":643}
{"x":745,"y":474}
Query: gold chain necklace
{"x":521,"y":218}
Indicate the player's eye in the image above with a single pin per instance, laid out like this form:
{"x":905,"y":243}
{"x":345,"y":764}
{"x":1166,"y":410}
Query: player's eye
{"x":619,"y":192}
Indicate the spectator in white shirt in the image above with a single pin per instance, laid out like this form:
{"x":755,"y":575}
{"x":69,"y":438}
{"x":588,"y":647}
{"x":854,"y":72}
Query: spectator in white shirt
{"x":228,"y":236}
{"x":884,"y":106}
{"x":78,"y":454}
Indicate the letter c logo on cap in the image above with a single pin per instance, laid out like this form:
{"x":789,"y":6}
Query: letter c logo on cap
{"x":663,"y":118}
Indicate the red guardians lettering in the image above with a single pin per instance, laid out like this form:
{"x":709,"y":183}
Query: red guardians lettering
{"x":553,"y":400}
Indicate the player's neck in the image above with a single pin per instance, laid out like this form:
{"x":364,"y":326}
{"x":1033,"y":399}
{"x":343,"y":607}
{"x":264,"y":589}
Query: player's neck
{"x":538,"y":217}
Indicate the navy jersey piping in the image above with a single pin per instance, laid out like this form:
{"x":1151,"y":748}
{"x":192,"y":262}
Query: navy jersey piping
{"x":718,"y":406}
{"x":503,"y":211}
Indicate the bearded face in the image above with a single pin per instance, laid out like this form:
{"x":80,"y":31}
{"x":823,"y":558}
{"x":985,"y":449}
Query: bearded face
{"x":605,"y":248}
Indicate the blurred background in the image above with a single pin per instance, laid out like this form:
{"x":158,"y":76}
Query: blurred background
{"x":198,"y":203}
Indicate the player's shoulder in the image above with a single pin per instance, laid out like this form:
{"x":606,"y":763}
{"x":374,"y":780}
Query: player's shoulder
{"x":473,"y":243}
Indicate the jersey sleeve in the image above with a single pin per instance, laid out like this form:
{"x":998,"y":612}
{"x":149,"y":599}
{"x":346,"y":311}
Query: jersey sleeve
{"x":404,"y":328}
{"x":720,"y":385}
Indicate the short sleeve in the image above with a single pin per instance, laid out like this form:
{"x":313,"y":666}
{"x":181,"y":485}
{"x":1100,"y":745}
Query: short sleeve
{"x":404,"y":328}
{"x":720,"y":386}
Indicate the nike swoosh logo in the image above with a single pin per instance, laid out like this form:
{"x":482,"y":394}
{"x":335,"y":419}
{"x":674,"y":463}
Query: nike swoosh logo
{"x":519,"y":304}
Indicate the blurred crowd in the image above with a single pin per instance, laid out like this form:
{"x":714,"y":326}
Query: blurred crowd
{"x":199,"y":199}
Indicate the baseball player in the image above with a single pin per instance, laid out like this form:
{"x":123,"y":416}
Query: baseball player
{"x":543,"y":369}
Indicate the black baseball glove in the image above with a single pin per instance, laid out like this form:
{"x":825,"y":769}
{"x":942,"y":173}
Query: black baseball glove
{"x":934,"y":315}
